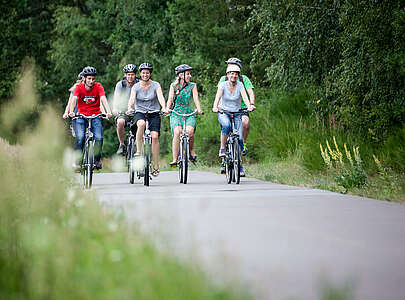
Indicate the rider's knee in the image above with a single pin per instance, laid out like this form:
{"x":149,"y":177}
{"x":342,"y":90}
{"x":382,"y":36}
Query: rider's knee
{"x":120,"y":123}
{"x":141,"y":124}
{"x":155,"y":135}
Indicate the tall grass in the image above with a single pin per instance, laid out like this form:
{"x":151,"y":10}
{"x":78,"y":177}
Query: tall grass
{"x":285,"y":136}
{"x":56,"y":242}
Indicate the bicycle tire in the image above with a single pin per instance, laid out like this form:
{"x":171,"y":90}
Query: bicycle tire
{"x":228,"y":164}
{"x":236,"y":161}
{"x":180,"y":162}
{"x":83,"y":169}
{"x":131,"y":167}
{"x":147,"y":161}
{"x":146,"y":172}
{"x":90,"y":164}
{"x":185,"y":160}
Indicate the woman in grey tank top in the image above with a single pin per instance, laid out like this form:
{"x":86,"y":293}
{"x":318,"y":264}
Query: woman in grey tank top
{"x":146,"y":100}
{"x":228,"y":99}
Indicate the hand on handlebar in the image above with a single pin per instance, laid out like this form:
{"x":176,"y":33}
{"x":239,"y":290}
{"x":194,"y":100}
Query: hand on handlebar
{"x":200,"y":112}
{"x":72,"y":114}
{"x":108,"y":115}
{"x":215,"y":109}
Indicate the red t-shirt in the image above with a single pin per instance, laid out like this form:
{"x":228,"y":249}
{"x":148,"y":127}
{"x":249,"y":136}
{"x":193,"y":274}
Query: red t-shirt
{"x":88,"y":102}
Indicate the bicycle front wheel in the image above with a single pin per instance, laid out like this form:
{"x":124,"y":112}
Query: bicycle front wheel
{"x":236,"y":160}
{"x":184,"y":164}
{"x":228,"y":164}
{"x":88,"y":163}
{"x":180,"y":163}
{"x":131,"y":167}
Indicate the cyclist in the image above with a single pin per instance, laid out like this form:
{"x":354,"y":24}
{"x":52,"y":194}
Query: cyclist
{"x":147,"y":99}
{"x":80,"y":79}
{"x":245,"y":115}
{"x":122,"y":93}
{"x":90,"y":97}
{"x":228,"y":98}
{"x":181,"y":92}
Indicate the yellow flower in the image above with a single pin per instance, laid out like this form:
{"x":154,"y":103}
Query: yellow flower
{"x":317,"y":101}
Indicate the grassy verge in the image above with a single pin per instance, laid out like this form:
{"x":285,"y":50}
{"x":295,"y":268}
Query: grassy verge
{"x":284,"y":147}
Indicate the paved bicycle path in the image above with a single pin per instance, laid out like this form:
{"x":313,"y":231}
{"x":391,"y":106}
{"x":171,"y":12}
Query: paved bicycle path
{"x":279,"y":240}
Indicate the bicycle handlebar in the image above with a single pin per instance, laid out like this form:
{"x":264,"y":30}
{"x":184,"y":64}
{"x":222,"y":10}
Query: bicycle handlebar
{"x":183,"y":115}
{"x":223,"y":111}
{"x":77,"y":115}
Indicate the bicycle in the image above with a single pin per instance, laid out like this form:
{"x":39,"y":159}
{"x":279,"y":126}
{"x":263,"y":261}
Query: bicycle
{"x":184,"y":152}
{"x":232,"y":151}
{"x":146,"y":153}
{"x":87,"y":165}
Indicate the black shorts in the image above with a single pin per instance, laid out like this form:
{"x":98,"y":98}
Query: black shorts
{"x":121,"y":116}
{"x":153,"y":119}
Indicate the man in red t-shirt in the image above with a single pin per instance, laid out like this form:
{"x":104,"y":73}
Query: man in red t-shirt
{"x":90,"y":98}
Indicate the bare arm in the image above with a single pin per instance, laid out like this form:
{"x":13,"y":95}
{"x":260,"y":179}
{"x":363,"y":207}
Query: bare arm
{"x":161,"y":99}
{"x":171,"y":96}
{"x":131,"y":101}
{"x":216,"y":101}
{"x":246,"y":99}
{"x":196,"y":100}
{"x":115,"y":99}
{"x":251,"y":96}
{"x":72,"y":106}
{"x":66,"y":113}
{"x":103,"y":100}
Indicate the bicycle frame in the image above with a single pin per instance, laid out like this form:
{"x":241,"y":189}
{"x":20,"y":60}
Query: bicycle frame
{"x":87,"y":165}
{"x":232,"y":151}
{"x":184,"y":152}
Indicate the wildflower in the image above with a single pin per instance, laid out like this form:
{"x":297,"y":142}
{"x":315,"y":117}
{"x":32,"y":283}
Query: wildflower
{"x":318,"y":101}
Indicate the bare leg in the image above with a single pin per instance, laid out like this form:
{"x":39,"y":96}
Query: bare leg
{"x":139,"y":135}
{"x":223,"y":140}
{"x":190,"y":132}
{"x":121,"y":130}
{"x":245,"y":128}
{"x":155,"y":149}
{"x":176,"y":142}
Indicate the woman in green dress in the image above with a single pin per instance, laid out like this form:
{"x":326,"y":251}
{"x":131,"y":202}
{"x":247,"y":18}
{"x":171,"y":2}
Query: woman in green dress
{"x":180,"y":94}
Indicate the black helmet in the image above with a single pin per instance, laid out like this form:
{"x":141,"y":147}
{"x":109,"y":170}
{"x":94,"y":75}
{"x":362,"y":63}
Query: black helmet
{"x":129,"y":68}
{"x":89,"y":71}
{"x":80,"y":75}
{"x":146,"y":66}
{"x":182,"y":68}
{"x":235,"y":61}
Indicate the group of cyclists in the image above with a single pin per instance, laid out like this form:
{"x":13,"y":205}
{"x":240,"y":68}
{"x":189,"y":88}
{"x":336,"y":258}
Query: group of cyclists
{"x":142,"y":99}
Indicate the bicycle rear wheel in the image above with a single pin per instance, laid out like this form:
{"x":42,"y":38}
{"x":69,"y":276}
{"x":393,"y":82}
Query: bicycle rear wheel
{"x":236,"y":160}
{"x":184,"y":164}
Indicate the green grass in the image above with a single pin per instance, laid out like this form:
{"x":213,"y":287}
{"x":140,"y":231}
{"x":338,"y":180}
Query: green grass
{"x":284,"y":146}
{"x":57,"y":241}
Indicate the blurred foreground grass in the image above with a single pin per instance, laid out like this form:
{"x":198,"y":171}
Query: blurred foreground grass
{"x":56,"y":241}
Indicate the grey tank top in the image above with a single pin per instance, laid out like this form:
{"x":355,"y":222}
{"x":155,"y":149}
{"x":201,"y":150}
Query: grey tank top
{"x":146,"y":101}
{"x":230,"y":101}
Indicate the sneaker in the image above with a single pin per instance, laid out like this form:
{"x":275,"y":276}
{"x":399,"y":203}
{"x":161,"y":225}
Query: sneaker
{"x":221,"y":153}
{"x":121,"y":150}
{"x":245,"y":149}
{"x":223,"y":168}
{"x":98,"y":165}
{"x":242,"y":172}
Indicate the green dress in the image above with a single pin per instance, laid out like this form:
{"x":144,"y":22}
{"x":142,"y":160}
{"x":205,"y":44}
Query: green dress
{"x":183,"y":105}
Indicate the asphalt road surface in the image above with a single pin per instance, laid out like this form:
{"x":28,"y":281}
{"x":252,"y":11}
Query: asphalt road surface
{"x":278,"y":241}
